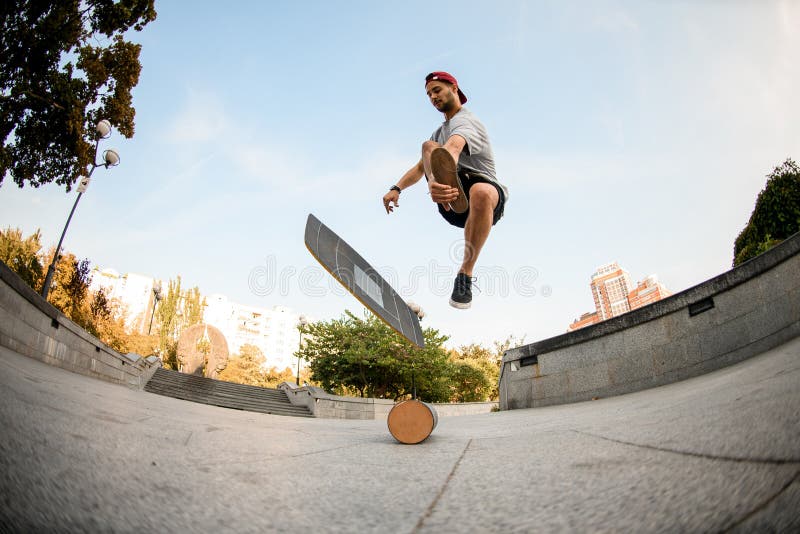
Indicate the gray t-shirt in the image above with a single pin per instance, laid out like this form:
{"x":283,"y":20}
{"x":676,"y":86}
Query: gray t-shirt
{"x":477,"y":154}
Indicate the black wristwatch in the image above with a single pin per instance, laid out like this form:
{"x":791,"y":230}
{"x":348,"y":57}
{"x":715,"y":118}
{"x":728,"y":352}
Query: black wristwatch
{"x":395,"y":188}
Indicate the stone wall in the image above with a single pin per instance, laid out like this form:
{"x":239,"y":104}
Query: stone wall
{"x":325,"y":405}
{"x":328,"y":406}
{"x":31,"y":326}
{"x":454,"y":409}
{"x":734,"y":316}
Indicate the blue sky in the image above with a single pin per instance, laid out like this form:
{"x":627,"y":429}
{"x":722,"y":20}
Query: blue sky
{"x":639,"y":132}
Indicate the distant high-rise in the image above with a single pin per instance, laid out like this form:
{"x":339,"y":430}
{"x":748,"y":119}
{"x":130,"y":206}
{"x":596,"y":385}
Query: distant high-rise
{"x":610,"y":287}
{"x":614,"y":294}
{"x":648,"y":291}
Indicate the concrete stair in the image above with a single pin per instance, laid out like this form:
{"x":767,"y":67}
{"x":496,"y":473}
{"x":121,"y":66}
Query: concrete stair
{"x":225,"y":394}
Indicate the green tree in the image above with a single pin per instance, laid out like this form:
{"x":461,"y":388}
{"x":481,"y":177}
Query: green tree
{"x":474,"y":374}
{"x":246,"y":367}
{"x":176,"y":311}
{"x":143,"y":344}
{"x":192,"y":307}
{"x":275,"y":377}
{"x":65,"y":64}
{"x":22,"y":255}
{"x":107,"y":322}
{"x":70,"y":286}
{"x":352,"y":355}
{"x":476,"y":370}
{"x":776,"y":215}
{"x":168,"y":324}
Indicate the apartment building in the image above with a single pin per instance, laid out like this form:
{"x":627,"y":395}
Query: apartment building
{"x":614,"y":294}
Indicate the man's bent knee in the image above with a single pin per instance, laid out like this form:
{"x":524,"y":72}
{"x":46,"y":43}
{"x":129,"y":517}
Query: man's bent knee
{"x":483,"y":197}
{"x":429,"y":146}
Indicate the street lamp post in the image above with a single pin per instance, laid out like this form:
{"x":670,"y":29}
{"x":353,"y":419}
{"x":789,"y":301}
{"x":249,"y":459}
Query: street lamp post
{"x":110,"y":159}
{"x":301,"y":322}
{"x":156,"y":298}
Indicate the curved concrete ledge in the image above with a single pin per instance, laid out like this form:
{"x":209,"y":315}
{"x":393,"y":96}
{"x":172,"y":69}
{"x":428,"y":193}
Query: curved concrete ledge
{"x":736,"y":315}
{"x":324,"y":405}
{"x":31,"y":326}
{"x":454,"y":409}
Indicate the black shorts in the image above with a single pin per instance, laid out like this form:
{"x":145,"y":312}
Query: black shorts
{"x":468,"y":179}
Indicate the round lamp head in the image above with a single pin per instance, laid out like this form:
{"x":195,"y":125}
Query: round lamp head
{"x":103,"y":129}
{"x":111,"y":157}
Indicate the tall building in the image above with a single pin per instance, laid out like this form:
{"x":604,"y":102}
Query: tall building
{"x":647,"y":291}
{"x":610,"y":287}
{"x":614,"y":294}
{"x":272,"y":330}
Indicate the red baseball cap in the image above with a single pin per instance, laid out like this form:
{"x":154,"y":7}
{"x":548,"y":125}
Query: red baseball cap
{"x":442,"y":76}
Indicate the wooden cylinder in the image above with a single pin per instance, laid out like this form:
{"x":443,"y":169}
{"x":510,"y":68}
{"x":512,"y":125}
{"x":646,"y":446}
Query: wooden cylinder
{"x":412,"y":421}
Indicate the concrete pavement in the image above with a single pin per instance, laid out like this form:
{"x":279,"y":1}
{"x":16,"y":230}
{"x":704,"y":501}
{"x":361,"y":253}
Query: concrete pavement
{"x":718,"y":452}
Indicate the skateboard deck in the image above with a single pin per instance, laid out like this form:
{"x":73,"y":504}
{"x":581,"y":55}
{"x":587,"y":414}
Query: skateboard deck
{"x":362,"y":280}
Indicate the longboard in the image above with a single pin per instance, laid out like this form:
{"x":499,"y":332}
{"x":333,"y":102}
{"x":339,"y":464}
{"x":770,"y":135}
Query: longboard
{"x":362,"y":280}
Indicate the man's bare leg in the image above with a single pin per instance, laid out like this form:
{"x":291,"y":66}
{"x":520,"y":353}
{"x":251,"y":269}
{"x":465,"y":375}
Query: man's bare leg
{"x":483,"y":199}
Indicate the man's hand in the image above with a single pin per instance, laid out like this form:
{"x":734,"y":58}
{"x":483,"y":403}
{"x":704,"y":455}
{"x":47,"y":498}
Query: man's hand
{"x":443,"y":194}
{"x":389,"y":198}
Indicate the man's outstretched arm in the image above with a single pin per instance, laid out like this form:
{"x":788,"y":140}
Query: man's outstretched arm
{"x":412,"y":176}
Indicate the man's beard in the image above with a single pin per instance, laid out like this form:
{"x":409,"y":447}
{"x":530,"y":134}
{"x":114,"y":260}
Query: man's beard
{"x":446,"y":106}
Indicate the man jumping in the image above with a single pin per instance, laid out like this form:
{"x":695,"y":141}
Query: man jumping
{"x":458,"y":164}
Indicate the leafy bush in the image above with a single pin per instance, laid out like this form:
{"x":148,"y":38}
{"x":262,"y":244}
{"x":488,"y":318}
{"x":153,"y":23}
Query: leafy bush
{"x":775,"y":217}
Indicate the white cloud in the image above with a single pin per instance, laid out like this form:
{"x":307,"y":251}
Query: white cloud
{"x":204,"y":128}
{"x":202,"y":119}
{"x":616,"y":21}
{"x":282,"y":169}
{"x":573,"y":172}
{"x":752,"y":85}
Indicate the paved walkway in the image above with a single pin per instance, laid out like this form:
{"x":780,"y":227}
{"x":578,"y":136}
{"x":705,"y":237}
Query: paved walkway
{"x":715,"y":453}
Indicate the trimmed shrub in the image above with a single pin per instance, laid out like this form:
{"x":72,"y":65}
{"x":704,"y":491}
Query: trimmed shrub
{"x":775,"y":217}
